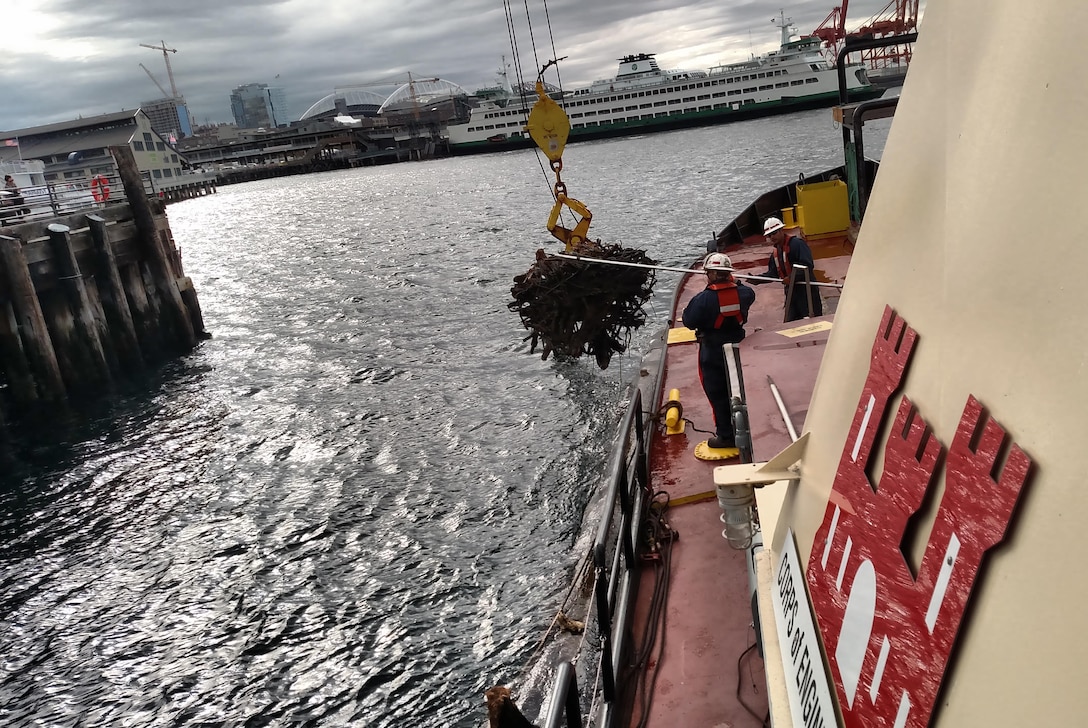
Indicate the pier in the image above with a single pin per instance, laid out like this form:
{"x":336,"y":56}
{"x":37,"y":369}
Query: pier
{"x":90,"y":298}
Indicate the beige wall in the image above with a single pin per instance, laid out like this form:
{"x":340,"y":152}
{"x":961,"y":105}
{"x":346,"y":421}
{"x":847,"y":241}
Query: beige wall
{"x":974,"y":235}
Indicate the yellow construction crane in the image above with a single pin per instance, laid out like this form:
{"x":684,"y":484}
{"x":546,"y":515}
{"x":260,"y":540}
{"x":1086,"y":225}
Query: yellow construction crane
{"x":166,"y":58}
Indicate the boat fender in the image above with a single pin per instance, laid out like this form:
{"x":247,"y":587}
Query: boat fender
{"x":674,"y":414}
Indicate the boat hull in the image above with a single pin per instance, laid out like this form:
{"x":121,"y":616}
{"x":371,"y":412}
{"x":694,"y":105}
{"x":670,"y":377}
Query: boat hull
{"x":708,"y":117}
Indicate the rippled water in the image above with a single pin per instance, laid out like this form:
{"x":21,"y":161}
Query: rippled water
{"x":358,"y":503}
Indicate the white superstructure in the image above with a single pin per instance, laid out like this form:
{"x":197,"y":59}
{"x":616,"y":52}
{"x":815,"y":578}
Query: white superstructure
{"x":642,"y":97}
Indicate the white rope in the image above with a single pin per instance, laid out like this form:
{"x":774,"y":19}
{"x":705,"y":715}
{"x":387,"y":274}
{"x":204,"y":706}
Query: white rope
{"x":744,"y":276}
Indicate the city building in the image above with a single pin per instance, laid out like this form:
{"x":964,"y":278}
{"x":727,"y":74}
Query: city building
{"x":169,"y":118}
{"x":258,"y":106}
{"x":77,"y":151}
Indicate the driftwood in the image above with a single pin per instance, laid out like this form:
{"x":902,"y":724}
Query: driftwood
{"x":573,"y":308}
{"x":501,"y":711}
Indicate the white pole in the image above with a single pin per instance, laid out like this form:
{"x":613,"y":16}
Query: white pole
{"x":745,"y":276}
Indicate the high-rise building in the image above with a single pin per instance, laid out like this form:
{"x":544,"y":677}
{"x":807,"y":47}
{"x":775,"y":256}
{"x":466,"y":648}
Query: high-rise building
{"x":256,"y":105}
{"x":169,"y":117}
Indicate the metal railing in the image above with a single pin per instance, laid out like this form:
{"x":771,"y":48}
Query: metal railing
{"x":616,"y":562}
{"x":54,"y":199}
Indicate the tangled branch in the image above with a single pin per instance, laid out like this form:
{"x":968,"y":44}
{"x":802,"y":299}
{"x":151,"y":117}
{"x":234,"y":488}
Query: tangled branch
{"x":572,"y":307}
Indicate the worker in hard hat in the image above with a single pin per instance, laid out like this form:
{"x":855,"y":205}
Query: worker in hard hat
{"x":717,"y":315}
{"x":804,"y":300}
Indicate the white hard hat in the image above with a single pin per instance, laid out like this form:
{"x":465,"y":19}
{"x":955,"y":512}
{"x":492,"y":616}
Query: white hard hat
{"x":717,"y":261}
{"x":772,"y":224}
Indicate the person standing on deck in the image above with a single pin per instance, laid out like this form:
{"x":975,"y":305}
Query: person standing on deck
{"x":784,"y":254}
{"x":717,"y":315}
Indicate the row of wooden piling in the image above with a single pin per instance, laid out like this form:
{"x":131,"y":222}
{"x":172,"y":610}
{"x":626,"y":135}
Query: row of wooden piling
{"x":188,"y":191}
{"x":90,"y":299}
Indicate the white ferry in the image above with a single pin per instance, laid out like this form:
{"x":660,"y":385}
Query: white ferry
{"x":644,"y":98}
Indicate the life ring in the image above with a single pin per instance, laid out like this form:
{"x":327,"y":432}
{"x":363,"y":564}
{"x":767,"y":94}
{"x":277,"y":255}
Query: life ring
{"x":100,"y":188}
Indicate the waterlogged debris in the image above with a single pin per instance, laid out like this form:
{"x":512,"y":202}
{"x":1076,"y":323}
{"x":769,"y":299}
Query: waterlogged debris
{"x":575,"y":307}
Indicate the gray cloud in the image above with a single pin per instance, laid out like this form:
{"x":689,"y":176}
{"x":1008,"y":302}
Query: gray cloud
{"x":87,"y":61}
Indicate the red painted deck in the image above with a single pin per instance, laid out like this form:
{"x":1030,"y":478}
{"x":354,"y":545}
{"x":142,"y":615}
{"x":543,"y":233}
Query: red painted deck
{"x":705,"y":662}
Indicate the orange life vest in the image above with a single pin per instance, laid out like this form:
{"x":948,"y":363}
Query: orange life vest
{"x":781,"y":261}
{"x":728,"y":303}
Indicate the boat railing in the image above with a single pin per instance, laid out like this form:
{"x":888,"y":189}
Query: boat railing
{"x":59,"y":198}
{"x":616,"y":563}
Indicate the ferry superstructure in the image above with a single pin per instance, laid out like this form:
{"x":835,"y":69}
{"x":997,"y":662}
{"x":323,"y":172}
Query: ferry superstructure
{"x":644,"y":98}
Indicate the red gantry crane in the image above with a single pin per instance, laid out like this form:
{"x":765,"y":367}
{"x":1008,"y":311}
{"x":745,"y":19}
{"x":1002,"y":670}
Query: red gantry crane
{"x":897,"y":18}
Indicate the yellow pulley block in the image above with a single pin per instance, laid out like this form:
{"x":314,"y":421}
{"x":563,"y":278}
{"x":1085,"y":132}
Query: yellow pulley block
{"x":548,"y":124}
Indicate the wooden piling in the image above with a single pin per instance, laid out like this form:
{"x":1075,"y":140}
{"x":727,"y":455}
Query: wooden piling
{"x":91,"y":366}
{"x":115,"y":302}
{"x":35,"y":339}
{"x":157,"y":263}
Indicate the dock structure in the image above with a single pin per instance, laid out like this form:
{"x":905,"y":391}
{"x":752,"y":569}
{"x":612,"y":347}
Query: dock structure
{"x":90,"y":298}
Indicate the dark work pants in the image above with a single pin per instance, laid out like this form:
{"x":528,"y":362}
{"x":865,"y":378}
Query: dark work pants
{"x":799,"y":302}
{"x":715,"y":381}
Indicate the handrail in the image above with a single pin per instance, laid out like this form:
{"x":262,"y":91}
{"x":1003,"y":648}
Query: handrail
{"x":616,"y":562}
{"x":565,"y":699}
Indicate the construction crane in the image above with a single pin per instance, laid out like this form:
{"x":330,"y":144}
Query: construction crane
{"x":166,"y":58}
{"x":155,"y":81}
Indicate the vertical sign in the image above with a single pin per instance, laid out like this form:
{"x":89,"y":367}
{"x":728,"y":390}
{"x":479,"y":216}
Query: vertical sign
{"x":889,"y":632}
{"x":811,"y":704}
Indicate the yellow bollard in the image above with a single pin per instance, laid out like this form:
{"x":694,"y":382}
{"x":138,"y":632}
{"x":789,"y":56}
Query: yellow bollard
{"x":787,"y":217}
{"x":674,"y":414}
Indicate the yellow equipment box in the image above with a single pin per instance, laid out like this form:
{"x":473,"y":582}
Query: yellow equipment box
{"x":826,"y":207}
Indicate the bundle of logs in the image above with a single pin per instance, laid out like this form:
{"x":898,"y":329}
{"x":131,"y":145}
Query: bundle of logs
{"x":573,"y":307}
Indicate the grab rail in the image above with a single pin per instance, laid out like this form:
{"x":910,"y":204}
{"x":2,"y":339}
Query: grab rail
{"x":615,"y":560}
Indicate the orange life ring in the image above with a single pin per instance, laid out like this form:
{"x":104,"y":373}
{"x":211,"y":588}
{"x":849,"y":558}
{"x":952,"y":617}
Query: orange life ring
{"x":100,"y":188}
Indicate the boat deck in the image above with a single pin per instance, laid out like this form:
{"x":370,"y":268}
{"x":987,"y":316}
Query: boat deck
{"x":708,"y":671}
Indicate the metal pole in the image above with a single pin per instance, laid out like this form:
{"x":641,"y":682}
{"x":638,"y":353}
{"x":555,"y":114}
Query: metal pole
{"x":782,"y":409}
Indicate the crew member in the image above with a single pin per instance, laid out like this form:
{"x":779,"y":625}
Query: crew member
{"x":784,"y":254}
{"x":717,"y":315}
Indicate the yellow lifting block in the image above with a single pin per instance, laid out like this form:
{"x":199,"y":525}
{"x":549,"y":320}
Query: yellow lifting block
{"x":826,"y":207}
{"x":674,"y":414}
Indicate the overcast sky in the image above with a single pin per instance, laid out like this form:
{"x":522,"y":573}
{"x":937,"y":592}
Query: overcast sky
{"x":61,"y":59}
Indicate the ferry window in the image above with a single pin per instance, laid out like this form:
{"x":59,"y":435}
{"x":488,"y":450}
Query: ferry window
{"x":641,"y":94}
{"x":688,"y":98}
{"x":767,"y":86}
{"x":137,"y":145}
{"x":751,"y":90}
{"x":661,"y":113}
{"x":591,"y":113}
{"x":798,"y":82}
{"x":645,"y":106}
{"x":782,"y":85}
{"x":627,"y":96}
{"x":762,"y":75}
{"x":719,"y":94}
{"x":814,"y":67}
{"x":489,"y":126}
{"x":617,"y":110}
{"x":748,"y":101}
{"x":659,"y":103}
{"x":734,"y":92}
{"x":576,"y":116}
{"x":730,"y":80}
{"x":704,"y":96}
{"x":578,"y":126}
{"x":704,"y":108}
{"x":631,"y":108}
{"x":812,"y":80}
{"x":673,"y":101}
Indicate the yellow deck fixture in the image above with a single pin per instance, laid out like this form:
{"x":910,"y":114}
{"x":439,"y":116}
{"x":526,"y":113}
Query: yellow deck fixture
{"x":787,"y":217}
{"x":674,"y":414}
{"x":826,"y":207}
